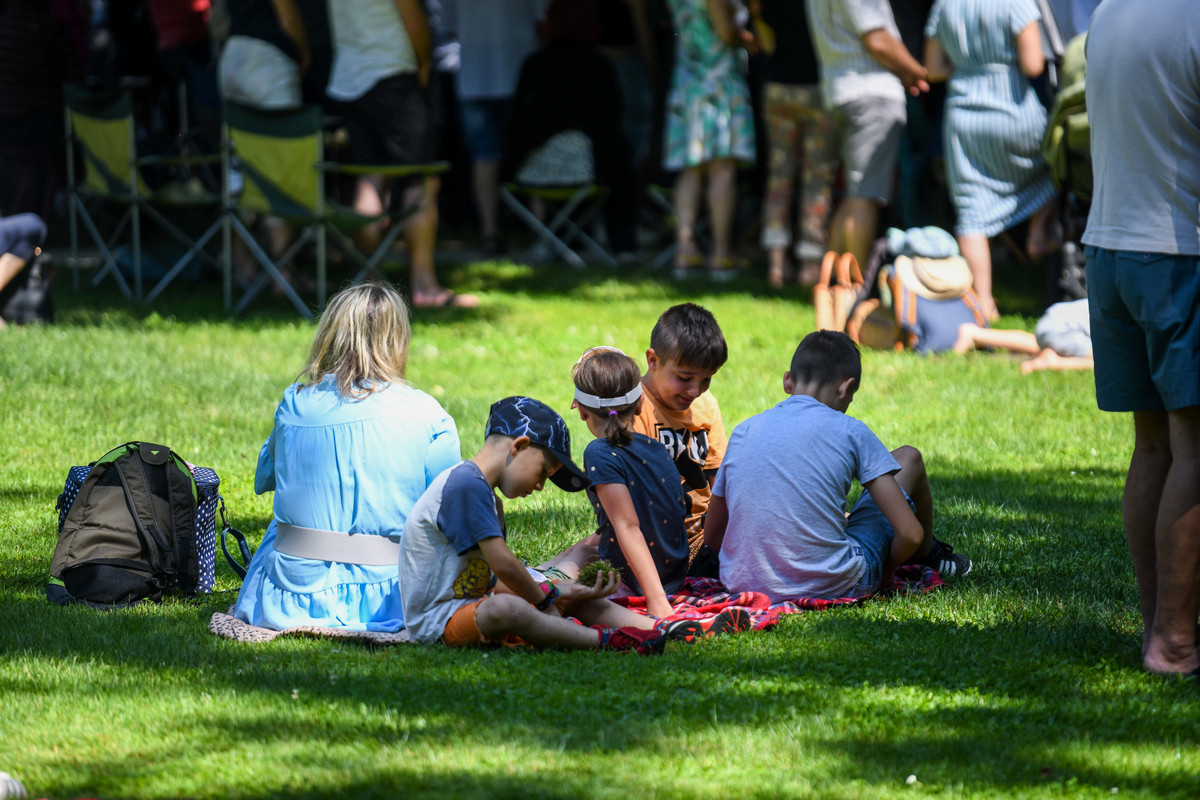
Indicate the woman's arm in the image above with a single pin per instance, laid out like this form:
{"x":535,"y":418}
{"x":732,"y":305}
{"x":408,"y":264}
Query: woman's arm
{"x":937,"y":63}
{"x":727,"y":30}
{"x":293,"y":25}
{"x":619,"y":506}
{"x":416,"y":23}
{"x":1030,"y":57}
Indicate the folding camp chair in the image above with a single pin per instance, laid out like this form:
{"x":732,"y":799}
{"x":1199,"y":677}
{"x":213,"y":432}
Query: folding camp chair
{"x":280,"y":157}
{"x":560,"y":174}
{"x":101,"y":126}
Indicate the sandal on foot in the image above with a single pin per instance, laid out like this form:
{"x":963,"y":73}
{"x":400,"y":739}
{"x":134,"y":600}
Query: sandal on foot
{"x":443,"y":298}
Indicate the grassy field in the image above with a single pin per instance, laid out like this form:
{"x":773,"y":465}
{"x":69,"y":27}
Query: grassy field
{"x":1021,"y":681}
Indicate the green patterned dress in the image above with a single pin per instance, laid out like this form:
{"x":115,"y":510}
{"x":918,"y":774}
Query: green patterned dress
{"x":708,"y":107}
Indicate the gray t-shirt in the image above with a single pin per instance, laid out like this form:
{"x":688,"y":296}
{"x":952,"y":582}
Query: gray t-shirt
{"x":442,"y":568}
{"x":848,"y":71}
{"x":1143,"y":101}
{"x":785,"y":479}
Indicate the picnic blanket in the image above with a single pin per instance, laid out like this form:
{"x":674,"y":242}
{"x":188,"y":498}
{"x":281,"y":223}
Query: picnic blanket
{"x":230,"y":627}
{"x":706,"y":597}
{"x":698,"y":599}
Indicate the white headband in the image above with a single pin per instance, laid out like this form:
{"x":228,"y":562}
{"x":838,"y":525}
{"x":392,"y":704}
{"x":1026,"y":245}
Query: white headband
{"x":592,"y":401}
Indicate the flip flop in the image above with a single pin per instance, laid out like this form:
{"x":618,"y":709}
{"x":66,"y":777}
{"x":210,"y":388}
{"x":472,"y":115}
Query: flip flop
{"x":444,"y":299}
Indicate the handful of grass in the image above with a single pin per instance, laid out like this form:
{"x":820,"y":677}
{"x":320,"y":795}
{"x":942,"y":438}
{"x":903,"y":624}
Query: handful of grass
{"x":587,"y":575}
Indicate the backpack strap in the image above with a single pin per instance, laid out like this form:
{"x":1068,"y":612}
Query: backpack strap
{"x":243,"y":548}
{"x":976,"y":305}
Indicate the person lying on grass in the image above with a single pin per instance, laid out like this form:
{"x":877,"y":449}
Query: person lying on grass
{"x":1062,"y":339}
{"x":778,"y":516}
{"x":460,"y":583}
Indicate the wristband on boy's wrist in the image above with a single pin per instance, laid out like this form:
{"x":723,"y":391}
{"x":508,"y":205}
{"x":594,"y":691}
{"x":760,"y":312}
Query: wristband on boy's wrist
{"x":551,"y":595}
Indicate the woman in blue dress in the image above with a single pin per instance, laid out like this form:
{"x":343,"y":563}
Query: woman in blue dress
{"x":352,"y":448}
{"x":989,"y":49}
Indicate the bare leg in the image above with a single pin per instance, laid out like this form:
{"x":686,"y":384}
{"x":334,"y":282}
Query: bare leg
{"x":914,"y":480}
{"x":1148,"y":468}
{"x":971,"y":336}
{"x":368,"y":201}
{"x":777,"y":271}
{"x":506,"y":613}
{"x":722,"y":200}
{"x":10,"y":265}
{"x":1172,"y":643}
{"x":1048,"y":359}
{"x":1042,"y":240}
{"x":853,"y":227}
{"x":687,"y":206}
{"x":978,"y":253}
{"x":571,"y":560}
{"x":485,"y":181}
{"x":603,"y":612}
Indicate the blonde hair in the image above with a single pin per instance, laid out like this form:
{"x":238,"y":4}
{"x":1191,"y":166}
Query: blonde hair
{"x":607,"y":372}
{"x":362,"y":338}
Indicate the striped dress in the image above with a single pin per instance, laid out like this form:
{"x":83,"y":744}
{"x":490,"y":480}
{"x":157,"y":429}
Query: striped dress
{"x":994,"y":121}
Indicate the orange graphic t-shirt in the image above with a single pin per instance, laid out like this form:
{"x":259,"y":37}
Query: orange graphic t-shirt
{"x":696,"y":442}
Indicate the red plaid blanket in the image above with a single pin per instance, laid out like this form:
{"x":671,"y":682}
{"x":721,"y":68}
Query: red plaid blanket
{"x":705,"y":597}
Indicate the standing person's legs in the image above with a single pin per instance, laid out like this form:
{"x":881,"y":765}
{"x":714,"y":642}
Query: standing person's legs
{"x":870,"y":130}
{"x":978,"y":254}
{"x":783,"y":135}
{"x":1172,"y":645}
{"x":819,"y":161}
{"x":688,"y":184}
{"x":722,"y":201}
{"x":1146,"y":334}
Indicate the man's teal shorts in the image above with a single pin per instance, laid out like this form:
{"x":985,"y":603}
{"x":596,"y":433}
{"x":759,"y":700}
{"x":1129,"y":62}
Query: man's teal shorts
{"x":1145,"y":312}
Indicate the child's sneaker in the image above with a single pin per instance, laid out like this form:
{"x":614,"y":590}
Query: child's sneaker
{"x":731,"y":620}
{"x":635,"y":640}
{"x":948,"y":563}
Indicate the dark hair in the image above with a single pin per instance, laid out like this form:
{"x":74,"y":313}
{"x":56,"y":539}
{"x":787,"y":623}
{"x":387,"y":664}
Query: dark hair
{"x":826,"y":357}
{"x":610,"y":373}
{"x":688,"y":335}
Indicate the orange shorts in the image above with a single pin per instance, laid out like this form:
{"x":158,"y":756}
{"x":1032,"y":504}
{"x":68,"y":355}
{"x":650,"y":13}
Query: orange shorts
{"x":462,"y":631}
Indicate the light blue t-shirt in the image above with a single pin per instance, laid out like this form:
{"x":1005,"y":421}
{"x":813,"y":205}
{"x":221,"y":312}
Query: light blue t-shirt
{"x":785,"y":478}
{"x":353,"y":466}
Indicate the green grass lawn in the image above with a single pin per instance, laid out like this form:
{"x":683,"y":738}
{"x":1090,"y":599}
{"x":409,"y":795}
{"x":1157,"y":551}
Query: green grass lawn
{"x":1023,"y":680}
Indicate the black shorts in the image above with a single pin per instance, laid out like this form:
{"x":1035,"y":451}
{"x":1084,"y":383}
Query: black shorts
{"x":391,"y":123}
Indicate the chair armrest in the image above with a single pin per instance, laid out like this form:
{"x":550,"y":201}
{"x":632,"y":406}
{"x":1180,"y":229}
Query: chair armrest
{"x":386,"y":170}
{"x":178,"y":161}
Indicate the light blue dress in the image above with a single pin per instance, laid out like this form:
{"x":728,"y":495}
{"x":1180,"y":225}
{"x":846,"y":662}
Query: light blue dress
{"x":994,"y":121}
{"x":340,"y":464}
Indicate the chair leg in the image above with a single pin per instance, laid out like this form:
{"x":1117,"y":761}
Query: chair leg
{"x":544,"y":233}
{"x":196,"y":249}
{"x":272,"y":271}
{"x":110,"y":261}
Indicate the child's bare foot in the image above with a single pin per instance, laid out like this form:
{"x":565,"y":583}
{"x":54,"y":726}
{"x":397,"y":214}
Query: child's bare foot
{"x":1043,"y":360}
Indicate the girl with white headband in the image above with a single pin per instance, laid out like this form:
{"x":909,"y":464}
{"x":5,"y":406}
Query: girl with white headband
{"x":635,"y":487}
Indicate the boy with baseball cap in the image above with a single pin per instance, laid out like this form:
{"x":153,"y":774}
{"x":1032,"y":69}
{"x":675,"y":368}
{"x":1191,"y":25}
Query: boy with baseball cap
{"x":459,"y":582}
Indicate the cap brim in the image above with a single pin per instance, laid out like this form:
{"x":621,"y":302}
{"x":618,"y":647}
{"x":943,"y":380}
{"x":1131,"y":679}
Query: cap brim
{"x":568,"y":477}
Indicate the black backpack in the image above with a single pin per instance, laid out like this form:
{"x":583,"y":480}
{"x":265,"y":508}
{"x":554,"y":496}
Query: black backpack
{"x":135,"y":524}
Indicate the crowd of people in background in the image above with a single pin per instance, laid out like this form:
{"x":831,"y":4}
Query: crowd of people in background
{"x":803,"y":122}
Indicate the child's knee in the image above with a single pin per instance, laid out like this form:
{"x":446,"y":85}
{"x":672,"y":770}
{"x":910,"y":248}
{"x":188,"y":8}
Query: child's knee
{"x":911,"y":461}
{"x":501,"y":613}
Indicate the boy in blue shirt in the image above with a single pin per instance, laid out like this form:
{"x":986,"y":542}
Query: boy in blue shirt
{"x":777,"y":514}
{"x":462,"y":586}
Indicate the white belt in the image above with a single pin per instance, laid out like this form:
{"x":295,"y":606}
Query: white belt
{"x":345,"y":548}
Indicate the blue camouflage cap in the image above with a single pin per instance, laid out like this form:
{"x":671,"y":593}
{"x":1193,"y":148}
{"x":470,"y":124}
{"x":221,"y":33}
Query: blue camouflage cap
{"x":524,"y":416}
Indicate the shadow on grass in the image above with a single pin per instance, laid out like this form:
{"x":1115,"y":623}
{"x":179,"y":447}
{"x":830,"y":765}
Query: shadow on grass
{"x":991,"y":710}
{"x":203,"y":301}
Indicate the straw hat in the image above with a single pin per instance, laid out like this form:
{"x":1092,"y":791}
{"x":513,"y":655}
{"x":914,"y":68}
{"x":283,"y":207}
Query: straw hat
{"x":934,"y":278}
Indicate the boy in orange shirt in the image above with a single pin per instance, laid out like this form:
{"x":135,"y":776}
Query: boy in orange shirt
{"x":686,"y":350}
